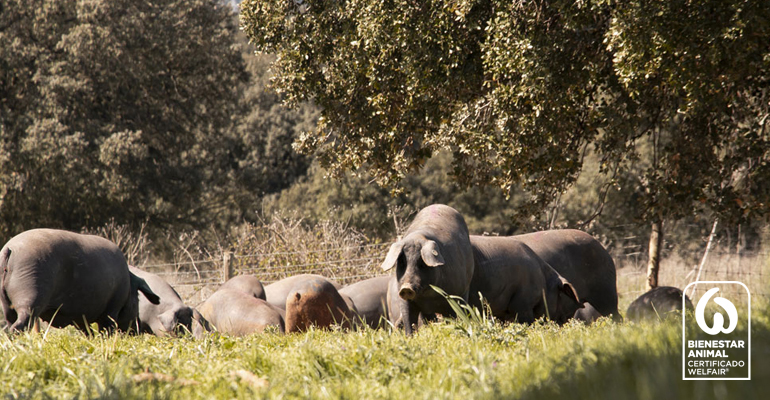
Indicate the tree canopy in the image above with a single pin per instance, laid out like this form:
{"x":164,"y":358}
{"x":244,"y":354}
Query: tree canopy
{"x":136,"y":112}
{"x":517,"y":91}
{"x":111,"y":108}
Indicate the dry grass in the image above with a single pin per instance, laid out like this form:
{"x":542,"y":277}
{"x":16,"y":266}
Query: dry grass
{"x":751,"y":268}
{"x":271,"y":250}
{"x":134,"y":245}
{"x":284,"y":247}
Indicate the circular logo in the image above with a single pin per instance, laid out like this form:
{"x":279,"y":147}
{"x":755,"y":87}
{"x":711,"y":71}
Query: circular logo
{"x":719,"y":319}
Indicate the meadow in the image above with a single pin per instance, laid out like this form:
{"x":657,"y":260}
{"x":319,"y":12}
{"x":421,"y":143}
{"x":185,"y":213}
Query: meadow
{"x":463,"y":358}
{"x":469,"y":357}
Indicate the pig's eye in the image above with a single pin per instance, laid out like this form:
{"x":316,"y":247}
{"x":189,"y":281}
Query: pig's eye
{"x":401,"y":262}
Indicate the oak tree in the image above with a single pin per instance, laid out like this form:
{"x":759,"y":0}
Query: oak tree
{"x":517,"y":91}
{"x":114,"y":110}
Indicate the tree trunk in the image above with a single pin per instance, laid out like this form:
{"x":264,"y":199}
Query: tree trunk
{"x":653,"y":262}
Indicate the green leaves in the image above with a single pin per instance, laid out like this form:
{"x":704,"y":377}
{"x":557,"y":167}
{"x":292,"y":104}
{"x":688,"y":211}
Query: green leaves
{"x":374,"y":68}
{"x":695,"y":69}
{"x":113,"y":109}
{"x":518,"y":91}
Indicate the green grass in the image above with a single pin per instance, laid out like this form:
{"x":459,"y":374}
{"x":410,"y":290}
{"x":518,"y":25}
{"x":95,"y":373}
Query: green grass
{"x":468,"y":358}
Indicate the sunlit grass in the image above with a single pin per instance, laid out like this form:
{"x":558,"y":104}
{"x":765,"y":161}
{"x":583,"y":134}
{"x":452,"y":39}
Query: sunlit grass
{"x":469,"y":358}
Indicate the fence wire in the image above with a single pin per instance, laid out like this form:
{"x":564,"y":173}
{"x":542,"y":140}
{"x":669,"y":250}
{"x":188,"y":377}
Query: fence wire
{"x":198,"y":278}
{"x":750,"y":268}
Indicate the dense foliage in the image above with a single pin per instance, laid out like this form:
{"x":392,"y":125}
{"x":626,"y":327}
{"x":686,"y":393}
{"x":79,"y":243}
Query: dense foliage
{"x":137,"y":113}
{"x":355,"y":200}
{"x":111,"y":108}
{"x":517,"y":91}
{"x":265,"y":161}
{"x":160,"y":116}
{"x":603,"y":206}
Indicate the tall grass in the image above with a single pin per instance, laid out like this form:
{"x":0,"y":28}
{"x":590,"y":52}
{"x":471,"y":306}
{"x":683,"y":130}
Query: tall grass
{"x":442,"y":360}
{"x":285,"y":246}
{"x":134,"y":246}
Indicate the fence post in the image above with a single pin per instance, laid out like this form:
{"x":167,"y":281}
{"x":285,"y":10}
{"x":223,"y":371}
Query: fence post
{"x":227,"y":266}
{"x":705,"y":254}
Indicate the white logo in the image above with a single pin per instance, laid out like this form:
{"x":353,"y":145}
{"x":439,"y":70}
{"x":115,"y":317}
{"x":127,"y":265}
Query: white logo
{"x":719,"y":320}
{"x":720,"y":351}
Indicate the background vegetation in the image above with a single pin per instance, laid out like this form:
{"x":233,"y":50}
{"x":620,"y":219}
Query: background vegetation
{"x":160,"y":118}
{"x":151,"y":114}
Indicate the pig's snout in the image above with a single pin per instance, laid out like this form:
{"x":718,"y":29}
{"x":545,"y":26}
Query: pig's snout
{"x":407,"y":292}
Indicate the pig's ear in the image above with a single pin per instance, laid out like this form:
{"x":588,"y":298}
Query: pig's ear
{"x":392,"y":257}
{"x":431,"y":254}
{"x":569,"y":290}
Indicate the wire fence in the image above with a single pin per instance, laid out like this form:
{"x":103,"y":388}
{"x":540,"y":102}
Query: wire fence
{"x":750,"y":268}
{"x":197,"y":279}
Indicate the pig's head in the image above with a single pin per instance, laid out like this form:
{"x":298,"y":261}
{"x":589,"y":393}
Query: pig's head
{"x":566,"y":300}
{"x":416,"y":259}
{"x":176,"y":321}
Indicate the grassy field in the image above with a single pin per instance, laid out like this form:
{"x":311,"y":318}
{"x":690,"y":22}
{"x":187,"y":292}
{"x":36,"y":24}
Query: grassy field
{"x":450,"y":359}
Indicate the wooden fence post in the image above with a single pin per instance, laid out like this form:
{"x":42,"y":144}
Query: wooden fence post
{"x":227,"y":266}
{"x":705,"y":255}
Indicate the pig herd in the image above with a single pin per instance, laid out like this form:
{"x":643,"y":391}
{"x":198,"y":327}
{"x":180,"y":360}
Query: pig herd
{"x":66,"y":278}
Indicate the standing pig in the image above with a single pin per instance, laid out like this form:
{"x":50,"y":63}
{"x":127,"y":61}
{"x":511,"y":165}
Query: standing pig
{"x":66,"y":278}
{"x":581,"y":260}
{"x":517,"y":284}
{"x":435,"y":250}
{"x":171,"y":317}
{"x":394,"y":302}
